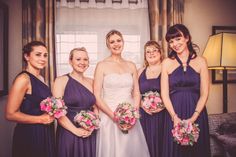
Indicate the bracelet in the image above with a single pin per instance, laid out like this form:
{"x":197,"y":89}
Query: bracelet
{"x":197,"y":112}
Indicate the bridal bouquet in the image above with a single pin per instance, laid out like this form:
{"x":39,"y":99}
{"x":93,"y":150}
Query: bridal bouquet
{"x":87,"y":119}
{"x":54,"y":107}
{"x":151,"y":101}
{"x":126,"y":116}
{"x":185,"y":133}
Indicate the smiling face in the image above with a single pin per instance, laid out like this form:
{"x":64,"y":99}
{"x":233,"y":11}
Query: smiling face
{"x":37,"y":58}
{"x":152,"y":54}
{"x":79,"y":60}
{"x":115,"y":42}
{"x":179,"y":44}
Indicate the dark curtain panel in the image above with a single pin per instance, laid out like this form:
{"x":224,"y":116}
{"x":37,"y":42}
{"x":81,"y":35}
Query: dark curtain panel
{"x":162,"y":14}
{"x":38,"y":21}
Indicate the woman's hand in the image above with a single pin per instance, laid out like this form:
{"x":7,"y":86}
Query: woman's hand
{"x":46,"y":119}
{"x":158,"y":110}
{"x":194,"y":117}
{"x":152,"y":112}
{"x":80,"y":132}
{"x":124,"y":127}
{"x":147,"y":111}
{"x":176,"y":119}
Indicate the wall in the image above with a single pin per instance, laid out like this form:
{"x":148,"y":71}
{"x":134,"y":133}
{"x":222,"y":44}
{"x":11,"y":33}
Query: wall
{"x":199,"y":17}
{"x":15,"y":42}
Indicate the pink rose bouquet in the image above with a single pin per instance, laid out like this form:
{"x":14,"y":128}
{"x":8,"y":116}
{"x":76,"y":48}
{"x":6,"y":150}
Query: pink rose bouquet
{"x":151,"y":101}
{"x":185,"y":133}
{"x":126,"y":116}
{"x":54,"y":107}
{"x":87,"y":119}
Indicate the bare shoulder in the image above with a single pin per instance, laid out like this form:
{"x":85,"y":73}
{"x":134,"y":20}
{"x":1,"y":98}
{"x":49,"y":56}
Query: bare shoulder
{"x":201,"y":60}
{"x":22,"y":79}
{"x":167,"y":62}
{"x":61,"y":79}
{"x":90,"y":80}
{"x":101,"y":64}
{"x":130,"y":64}
{"x":140,"y":70}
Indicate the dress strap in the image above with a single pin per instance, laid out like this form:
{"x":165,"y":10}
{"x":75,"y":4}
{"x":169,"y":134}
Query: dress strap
{"x":180,"y":62}
{"x":68,"y":75}
{"x":144,"y":72}
{"x":183,"y":65}
{"x":189,"y":59}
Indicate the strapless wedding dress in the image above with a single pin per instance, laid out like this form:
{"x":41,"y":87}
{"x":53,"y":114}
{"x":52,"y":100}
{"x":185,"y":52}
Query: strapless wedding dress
{"x":111,"y":142}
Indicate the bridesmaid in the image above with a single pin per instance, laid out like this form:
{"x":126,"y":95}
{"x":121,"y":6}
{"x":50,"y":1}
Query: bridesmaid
{"x":184,"y":89}
{"x":34,"y":131}
{"x":149,"y":80}
{"x":76,"y":90}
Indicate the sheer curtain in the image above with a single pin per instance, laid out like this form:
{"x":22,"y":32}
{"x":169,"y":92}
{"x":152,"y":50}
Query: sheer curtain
{"x":77,"y":26}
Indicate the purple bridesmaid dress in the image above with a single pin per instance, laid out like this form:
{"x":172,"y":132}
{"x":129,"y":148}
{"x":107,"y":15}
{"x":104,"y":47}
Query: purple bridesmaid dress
{"x":34,"y":140}
{"x":184,"y":94}
{"x":77,"y":97}
{"x":152,"y":124}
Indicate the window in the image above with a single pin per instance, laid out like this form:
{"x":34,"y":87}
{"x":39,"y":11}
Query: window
{"x":88,"y":28}
{"x":65,"y":42}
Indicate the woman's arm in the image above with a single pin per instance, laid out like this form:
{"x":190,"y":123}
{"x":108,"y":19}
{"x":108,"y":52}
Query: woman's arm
{"x":165,"y":91}
{"x":204,"y":89}
{"x":95,"y":108}
{"x":136,"y":92}
{"x":58,"y":92}
{"x":98,"y":82}
{"x":139,"y":73}
{"x":16,"y":95}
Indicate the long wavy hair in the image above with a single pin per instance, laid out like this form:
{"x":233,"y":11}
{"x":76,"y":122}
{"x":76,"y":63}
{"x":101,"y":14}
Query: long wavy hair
{"x":179,"y":30}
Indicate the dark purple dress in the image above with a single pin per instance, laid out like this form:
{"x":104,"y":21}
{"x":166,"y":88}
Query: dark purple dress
{"x":77,"y":97}
{"x":34,"y":140}
{"x":152,"y":124}
{"x":184,"y":95}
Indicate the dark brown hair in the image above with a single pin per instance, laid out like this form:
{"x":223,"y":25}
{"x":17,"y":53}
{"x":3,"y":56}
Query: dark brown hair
{"x":28,"y":48}
{"x":179,"y":30}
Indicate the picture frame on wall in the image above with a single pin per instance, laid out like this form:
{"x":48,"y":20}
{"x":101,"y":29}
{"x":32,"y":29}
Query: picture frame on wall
{"x":3,"y":49}
{"x":217,"y":75}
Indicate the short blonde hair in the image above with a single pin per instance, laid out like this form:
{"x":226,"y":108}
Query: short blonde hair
{"x":112,"y":32}
{"x":156,"y":45}
{"x":76,"y":49}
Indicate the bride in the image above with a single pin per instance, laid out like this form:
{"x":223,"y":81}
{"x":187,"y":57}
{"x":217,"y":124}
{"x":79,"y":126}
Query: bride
{"x":115,"y":81}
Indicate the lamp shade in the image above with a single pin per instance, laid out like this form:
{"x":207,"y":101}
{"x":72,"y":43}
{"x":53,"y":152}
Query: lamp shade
{"x":220,"y":51}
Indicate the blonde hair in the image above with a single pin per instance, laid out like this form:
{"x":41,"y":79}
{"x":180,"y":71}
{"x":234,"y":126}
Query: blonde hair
{"x":156,"y":45}
{"x":110,"y":33}
{"x":76,"y":49}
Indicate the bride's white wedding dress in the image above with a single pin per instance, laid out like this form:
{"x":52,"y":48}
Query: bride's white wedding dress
{"x":111,"y":142}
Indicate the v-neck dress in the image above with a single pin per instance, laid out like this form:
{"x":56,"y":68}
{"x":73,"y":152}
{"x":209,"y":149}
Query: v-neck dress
{"x":34,"y":140}
{"x":184,"y":94}
{"x":152,"y":124}
{"x":77,"y":97}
